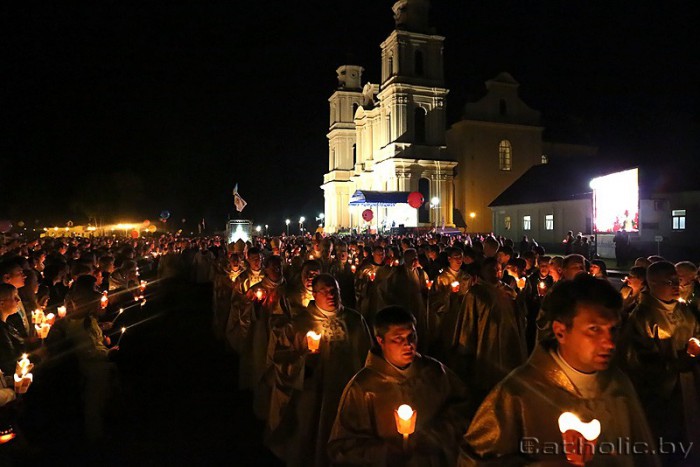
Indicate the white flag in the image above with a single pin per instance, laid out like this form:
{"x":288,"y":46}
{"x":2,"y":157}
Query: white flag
{"x":238,"y":201}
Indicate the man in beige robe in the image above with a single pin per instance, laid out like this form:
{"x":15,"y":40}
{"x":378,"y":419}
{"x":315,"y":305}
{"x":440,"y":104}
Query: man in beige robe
{"x":365,"y":431}
{"x":655,"y":353}
{"x":308,"y":383}
{"x":517,"y":424}
{"x":369,"y":275}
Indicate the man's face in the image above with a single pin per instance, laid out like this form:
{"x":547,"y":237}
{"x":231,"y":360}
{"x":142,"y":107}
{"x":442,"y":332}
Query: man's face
{"x":308,"y":277}
{"x":573,"y":269}
{"x":327,"y":297}
{"x":492,"y":273}
{"x":590,"y":343}
{"x":9,"y":303}
{"x":399,"y":345}
{"x":544,"y":269}
{"x":274,"y":271}
{"x":666,"y":287}
{"x":378,"y":256}
{"x":594,"y":270}
{"x":254,"y":261}
{"x":342,"y":255}
{"x":15,"y":277}
{"x":455,"y":261}
{"x":686,"y":277}
{"x":502,"y":258}
{"x":635,"y":283}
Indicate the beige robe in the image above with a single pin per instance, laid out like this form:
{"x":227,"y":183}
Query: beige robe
{"x":308,"y":386}
{"x":528,"y":403}
{"x":490,"y":337}
{"x":364,"y":432}
{"x":365,"y":288}
{"x":443,"y":311}
{"x":652,"y":351}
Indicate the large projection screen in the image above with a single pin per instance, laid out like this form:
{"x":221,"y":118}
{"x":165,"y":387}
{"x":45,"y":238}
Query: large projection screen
{"x":616,"y":202}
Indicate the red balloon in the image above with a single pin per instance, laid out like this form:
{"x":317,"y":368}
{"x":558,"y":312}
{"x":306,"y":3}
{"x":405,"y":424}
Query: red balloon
{"x":415,"y":199}
{"x":134,"y":234}
{"x":367,"y":215}
{"x":146,"y":223}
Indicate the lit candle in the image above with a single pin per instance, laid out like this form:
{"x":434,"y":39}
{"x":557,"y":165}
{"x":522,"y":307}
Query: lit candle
{"x":22,"y":382}
{"x":681,"y":300}
{"x":50,"y":319}
{"x":520,"y":282}
{"x":429,"y":284}
{"x":541,"y":288}
{"x":37,"y":316}
{"x":142,"y":286}
{"x":259,"y":294}
{"x":372,"y":275}
{"x":104,"y":300}
{"x":61,"y":311}
{"x":42,"y":330}
{"x":311,"y":256}
{"x":579,"y":437}
{"x":693,"y":347}
{"x":455,"y":286}
{"x":396,"y":262}
{"x":23,"y":366}
{"x":405,"y":418}
{"x":121,"y":310}
{"x":313,"y":340}
{"x":353,"y":268}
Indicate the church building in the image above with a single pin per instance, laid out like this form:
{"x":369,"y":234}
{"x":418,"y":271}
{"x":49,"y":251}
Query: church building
{"x":387,"y":140}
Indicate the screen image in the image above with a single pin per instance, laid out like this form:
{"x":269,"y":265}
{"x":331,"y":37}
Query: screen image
{"x":239,"y":230}
{"x":616,"y":202}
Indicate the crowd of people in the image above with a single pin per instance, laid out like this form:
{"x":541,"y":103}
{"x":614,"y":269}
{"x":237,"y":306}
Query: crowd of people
{"x":399,"y":350}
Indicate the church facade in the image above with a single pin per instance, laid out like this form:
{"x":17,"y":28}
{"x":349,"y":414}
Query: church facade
{"x":391,"y":138}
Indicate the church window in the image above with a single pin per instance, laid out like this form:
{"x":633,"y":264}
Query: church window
{"x":424,"y":210}
{"x":527,"y":222}
{"x":419,"y":124}
{"x":418,"y":62}
{"x":391,"y":65}
{"x":354,"y":154}
{"x":507,"y":223}
{"x":505,"y":155}
{"x":502,"y":107}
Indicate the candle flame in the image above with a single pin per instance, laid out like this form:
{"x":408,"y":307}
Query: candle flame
{"x":405,"y":412}
{"x":569,"y":421}
{"x":313,"y":335}
{"x":123,"y":330}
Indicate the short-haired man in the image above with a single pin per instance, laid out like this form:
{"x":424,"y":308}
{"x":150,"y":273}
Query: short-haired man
{"x":365,"y":282}
{"x":657,"y":354}
{"x":517,"y":423}
{"x":309,"y":383}
{"x":12,"y":273}
{"x":365,"y":432}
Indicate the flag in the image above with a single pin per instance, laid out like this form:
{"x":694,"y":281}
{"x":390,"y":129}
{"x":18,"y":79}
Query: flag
{"x":238,"y":201}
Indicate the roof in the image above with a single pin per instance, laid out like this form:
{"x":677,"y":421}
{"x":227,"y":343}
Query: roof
{"x":569,"y":179}
{"x":381,"y":198}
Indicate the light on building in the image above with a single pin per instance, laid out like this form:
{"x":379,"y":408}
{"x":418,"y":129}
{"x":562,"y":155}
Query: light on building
{"x":287,"y":221}
{"x":322,"y":216}
{"x":302,"y":219}
{"x":472,"y":215}
{"x":258,"y":229}
{"x":435,"y":200}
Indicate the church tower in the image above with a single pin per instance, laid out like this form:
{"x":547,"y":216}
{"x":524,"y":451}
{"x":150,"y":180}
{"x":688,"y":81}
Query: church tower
{"x":337,"y":184}
{"x":399,"y":131}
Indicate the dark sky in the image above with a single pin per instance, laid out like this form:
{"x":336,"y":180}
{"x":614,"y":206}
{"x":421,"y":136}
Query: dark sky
{"x":124,"y":109}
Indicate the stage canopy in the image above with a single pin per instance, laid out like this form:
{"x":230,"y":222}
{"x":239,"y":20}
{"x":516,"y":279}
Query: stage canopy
{"x":378,"y":198}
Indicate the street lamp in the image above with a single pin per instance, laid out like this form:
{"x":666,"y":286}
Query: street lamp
{"x":287,"y":222}
{"x":258,"y":229}
{"x":434,"y":203}
{"x":266,"y":226}
{"x":301,"y":223}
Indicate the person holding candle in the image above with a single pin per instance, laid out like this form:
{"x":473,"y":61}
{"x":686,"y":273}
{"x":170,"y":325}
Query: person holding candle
{"x":12,"y":273}
{"x":631,"y":290}
{"x":79,"y":336}
{"x":445,"y":302}
{"x":11,"y":343}
{"x":655,"y":353}
{"x":344,"y":273}
{"x":368,"y":275}
{"x":242,"y":297}
{"x":309,"y":384}
{"x":366,"y":430}
{"x":571,"y":372}
{"x":489,"y":333}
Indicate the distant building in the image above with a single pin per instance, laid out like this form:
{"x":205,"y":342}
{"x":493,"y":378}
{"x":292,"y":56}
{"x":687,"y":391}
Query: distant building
{"x":549,"y":200}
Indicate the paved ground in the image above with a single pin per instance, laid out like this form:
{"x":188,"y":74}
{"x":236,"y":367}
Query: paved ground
{"x":180,"y":402}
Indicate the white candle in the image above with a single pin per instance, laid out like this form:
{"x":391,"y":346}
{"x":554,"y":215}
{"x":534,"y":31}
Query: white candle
{"x":455,"y":286}
{"x":61,"y":311}
{"x":313,"y":341}
{"x":405,"y":418}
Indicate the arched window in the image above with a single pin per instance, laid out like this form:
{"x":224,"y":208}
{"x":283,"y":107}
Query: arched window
{"x":419,"y":124}
{"x":354,"y":154}
{"x":505,"y":155}
{"x":502,"y":107}
{"x":388,"y":128}
{"x":418,"y":62}
{"x":424,"y":211}
{"x":391,"y":67}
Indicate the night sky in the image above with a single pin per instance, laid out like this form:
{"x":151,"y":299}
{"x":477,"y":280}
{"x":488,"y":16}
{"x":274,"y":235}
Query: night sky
{"x":121,"y":110}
